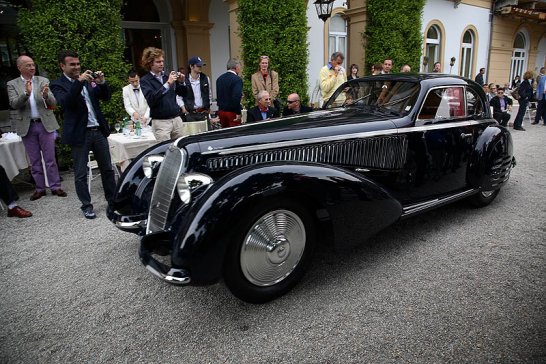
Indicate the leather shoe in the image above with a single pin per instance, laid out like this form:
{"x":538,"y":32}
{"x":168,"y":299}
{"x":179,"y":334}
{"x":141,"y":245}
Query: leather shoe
{"x":36,"y":195}
{"x":19,"y":212}
{"x":534,"y":123}
{"x":58,"y":192}
{"x":520,"y":129}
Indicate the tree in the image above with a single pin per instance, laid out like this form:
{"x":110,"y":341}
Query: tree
{"x":90,"y":27}
{"x":277,"y":29}
{"x":394,"y":30}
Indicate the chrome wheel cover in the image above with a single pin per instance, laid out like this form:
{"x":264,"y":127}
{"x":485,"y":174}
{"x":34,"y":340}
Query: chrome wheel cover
{"x":272,"y":248}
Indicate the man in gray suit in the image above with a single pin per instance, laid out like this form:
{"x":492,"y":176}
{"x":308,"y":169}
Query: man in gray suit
{"x":30,"y":96}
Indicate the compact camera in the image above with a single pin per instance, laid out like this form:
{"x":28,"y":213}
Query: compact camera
{"x":94,"y":75}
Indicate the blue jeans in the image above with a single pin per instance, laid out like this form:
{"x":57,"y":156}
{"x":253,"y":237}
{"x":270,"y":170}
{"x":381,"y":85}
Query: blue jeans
{"x":96,"y":142}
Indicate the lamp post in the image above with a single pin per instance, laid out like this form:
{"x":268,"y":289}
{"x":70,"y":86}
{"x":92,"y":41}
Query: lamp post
{"x":451,"y":63}
{"x":324,"y":8}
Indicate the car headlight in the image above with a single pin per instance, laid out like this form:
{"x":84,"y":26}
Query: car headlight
{"x":151,"y":163}
{"x":189,"y":182}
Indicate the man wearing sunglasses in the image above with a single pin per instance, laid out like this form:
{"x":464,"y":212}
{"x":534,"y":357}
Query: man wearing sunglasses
{"x":294,"y":106}
{"x":501,"y":106}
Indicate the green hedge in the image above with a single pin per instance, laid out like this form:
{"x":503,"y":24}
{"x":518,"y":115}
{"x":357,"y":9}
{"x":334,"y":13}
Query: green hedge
{"x":394,"y":30}
{"x":277,"y":29}
{"x":90,"y":27}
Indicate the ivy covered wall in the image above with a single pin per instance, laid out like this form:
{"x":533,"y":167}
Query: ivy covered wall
{"x":394,"y":30}
{"x":90,"y":27}
{"x":277,"y":29}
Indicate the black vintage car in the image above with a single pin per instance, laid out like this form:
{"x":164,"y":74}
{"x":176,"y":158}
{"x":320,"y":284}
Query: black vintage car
{"x":249,"y":204}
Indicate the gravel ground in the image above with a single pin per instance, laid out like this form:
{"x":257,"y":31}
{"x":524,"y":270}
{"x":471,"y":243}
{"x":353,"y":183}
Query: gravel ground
{"x":458,"y":285}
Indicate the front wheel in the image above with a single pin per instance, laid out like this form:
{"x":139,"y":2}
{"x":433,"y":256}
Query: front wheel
{"x":483,"y":198}
{"x":270,"y":251}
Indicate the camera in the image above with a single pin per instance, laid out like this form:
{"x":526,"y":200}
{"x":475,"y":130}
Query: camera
{"x":94,"y":75}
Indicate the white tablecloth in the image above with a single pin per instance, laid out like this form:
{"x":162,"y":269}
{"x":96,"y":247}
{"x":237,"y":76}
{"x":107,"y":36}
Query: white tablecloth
{"x":13,"y":156}
{"x":124,"y":148}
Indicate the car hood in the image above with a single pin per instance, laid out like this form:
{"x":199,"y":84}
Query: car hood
{"x":315,"y":125}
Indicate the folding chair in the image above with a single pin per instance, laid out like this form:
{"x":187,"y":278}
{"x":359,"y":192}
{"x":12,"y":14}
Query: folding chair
{"x":92,"y":164}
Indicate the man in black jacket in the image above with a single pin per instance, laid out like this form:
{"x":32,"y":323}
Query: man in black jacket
{"x":294,"y":106}
{"x":263,"y":111}
{"x":160,"y":91}
{"x":501,"y":106}
{"x":479,"y":77}
{"x":197,"y":99}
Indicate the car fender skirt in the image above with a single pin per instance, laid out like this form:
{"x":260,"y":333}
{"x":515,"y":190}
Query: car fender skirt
{"x":491,"y":160}
{"x":353,"y":206}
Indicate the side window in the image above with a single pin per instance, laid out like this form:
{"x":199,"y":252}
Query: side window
{"x":474,"y":104}
{"x":443,"y":103}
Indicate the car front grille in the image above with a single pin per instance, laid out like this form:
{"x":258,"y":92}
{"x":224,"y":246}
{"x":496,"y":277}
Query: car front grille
{"x":382,"y":153}
{"x":164,"y":188}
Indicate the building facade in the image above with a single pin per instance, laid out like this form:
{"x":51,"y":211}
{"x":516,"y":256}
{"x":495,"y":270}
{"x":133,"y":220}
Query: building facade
{"x":506,"y":37}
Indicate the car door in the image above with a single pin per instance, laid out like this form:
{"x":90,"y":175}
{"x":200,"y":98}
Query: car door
{"x":440,"y":143}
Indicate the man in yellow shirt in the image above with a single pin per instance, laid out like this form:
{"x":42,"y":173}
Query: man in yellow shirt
{"x":332,"y":76}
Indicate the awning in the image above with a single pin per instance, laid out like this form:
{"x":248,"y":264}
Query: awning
{"x":539,"y":16}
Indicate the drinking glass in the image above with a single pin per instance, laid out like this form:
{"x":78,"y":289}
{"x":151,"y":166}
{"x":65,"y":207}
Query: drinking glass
{"x":117,"y":126}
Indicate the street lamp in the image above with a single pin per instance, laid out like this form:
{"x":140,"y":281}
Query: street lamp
{"x":324,"y":8}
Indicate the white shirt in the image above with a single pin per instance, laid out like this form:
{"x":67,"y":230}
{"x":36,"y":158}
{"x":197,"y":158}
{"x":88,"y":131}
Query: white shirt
{"x":34,"y":114}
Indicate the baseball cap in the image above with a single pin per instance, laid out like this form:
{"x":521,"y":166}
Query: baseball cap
{"x":196,"y":60}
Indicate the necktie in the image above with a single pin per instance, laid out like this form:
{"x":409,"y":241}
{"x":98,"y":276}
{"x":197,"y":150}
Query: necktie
{"x":136,"y":90}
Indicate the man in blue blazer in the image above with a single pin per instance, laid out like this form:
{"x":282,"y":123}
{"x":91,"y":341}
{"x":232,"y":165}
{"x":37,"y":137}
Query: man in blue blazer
{"x":262,"y":111}
{"x":541,"y":98}
{"x":85,"y":127}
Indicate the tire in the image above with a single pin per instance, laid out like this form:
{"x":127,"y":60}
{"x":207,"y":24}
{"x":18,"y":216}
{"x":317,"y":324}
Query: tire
{"x":270,"y":251}
{"x":483,"y":198}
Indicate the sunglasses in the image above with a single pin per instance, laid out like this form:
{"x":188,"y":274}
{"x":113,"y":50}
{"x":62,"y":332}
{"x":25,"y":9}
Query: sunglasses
{"x":264,"y":57}
{"x":291,"y":101}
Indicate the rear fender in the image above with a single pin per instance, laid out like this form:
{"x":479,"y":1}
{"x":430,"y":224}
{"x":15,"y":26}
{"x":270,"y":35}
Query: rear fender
{"x":491,"y":160}
{"x":344,"y":201}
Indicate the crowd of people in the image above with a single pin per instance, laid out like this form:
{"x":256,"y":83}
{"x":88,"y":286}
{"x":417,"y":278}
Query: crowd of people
{"x":175,"y":104}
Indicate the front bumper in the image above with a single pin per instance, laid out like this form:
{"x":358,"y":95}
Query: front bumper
{"x":160,"y":244}
{"x":130,"y":223}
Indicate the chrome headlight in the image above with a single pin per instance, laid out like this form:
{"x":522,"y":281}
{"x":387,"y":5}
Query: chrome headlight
{"x":189,"y":182}
{"x":151,"y":163}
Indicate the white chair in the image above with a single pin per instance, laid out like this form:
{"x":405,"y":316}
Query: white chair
{"x":92,"y":164}
{"x":531,"y":111}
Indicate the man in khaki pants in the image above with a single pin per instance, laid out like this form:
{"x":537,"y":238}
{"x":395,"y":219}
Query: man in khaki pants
{"x":160,"y":91}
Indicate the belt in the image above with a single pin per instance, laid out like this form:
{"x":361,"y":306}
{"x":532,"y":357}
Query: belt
{"x":200,"y":109}
{"x":93,"y":128}
{"x":37,"y":120}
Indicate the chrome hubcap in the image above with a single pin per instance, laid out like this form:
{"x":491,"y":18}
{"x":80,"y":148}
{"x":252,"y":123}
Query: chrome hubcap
{"x":273,"y":248}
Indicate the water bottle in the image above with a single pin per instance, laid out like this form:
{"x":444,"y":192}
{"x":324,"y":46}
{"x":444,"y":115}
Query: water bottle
{"x":138,"y":129}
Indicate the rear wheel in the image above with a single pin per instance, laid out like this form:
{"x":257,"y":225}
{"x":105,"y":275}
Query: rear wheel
{"x":270,"y":251}
{"x":483,"y":198}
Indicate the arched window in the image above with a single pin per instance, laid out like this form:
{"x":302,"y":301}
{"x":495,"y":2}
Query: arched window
{"x":337,"y":36}
{"x":433,"y":47}
{"x":144,"y":26}
{"x":519,"y":56}
{"x":467,"y":56}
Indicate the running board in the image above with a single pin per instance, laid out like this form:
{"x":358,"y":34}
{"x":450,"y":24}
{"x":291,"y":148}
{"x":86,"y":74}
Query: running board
{"x":427,"y":205}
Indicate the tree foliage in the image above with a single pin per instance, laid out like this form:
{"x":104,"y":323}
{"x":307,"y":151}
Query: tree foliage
{"x":394,"y":30}
{"x":90,"y":27}
{"x":277,"y":29}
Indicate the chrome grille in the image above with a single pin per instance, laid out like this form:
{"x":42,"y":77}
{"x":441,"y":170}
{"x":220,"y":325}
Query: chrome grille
{"x":387,"y":152}
{"x":164,"y":188}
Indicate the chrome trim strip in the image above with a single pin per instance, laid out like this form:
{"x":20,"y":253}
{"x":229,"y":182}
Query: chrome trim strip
{"x":413,"y":209}
{"x":131,"y":224}
{"x":334,"y":138}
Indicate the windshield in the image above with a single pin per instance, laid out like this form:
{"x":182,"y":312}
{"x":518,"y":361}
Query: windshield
{"x":393,"y":96}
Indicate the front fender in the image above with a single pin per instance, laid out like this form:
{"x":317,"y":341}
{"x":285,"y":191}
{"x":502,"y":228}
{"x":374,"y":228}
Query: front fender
{"x":128,"y":210}
{"x":491,"y":160}
{"x":351,"y":205}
